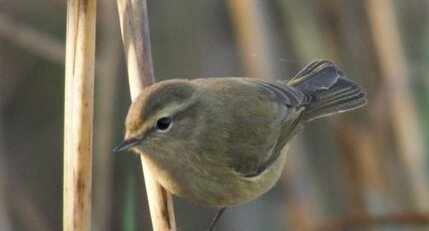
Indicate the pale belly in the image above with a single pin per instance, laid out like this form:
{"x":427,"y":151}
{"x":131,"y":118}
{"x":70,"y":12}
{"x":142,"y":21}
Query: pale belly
{"x":218,"y":190}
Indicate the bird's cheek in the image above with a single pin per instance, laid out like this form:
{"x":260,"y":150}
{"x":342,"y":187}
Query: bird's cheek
{"x":150,"y":145}
{"x":141,"y":148}
{"x":182,"y":131}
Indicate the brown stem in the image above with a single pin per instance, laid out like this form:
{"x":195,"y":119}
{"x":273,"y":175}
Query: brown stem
{"x":79,"y":97}
{"x":135,"y":36}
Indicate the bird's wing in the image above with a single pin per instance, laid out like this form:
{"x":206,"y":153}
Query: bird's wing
{"x":280,"y":92}
{"x":288,"y":130}
{"x":286,"y":116}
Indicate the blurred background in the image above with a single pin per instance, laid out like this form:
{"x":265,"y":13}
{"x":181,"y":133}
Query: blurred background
{"x":363,"y":170}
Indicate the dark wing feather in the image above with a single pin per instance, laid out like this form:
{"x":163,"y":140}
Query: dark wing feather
{"x":291,"y":101}
{"x":327,"y":89}
{"x":288,"y":130}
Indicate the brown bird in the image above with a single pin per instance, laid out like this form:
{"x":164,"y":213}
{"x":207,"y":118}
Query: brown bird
{"x":218,"y":141}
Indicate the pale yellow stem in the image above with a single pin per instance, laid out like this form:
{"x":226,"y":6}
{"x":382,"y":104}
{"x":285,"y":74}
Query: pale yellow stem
{"x":135,"y":36}
{"x":79,"y":92}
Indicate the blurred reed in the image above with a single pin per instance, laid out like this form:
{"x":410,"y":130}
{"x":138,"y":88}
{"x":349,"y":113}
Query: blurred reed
{"x":395,"y":77}
{"x":252,"y":31}
{"x":31,"y":39}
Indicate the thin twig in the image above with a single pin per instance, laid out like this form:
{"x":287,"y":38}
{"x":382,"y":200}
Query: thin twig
{"x":135,"y":34}
{"x":79,"y":97}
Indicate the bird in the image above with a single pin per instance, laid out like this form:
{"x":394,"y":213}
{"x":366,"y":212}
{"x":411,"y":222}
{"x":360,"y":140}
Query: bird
{"x":218,"y":141}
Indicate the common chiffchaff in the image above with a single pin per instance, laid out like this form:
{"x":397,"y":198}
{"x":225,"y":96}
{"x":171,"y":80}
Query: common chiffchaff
{"x":218,"y":141}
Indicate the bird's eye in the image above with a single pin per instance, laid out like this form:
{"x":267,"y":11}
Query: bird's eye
{"x":163,"y":123}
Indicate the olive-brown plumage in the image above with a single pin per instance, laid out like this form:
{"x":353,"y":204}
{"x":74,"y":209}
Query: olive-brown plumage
{"x":218,"y":141}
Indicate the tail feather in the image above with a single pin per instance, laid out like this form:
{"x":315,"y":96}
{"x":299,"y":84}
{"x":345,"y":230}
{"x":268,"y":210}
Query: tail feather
{"x":327,"y":90}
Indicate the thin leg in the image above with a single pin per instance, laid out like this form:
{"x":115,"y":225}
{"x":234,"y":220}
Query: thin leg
{"x":216,"y":218}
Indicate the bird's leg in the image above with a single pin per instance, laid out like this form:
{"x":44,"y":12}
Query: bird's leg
{"x":216,"y":219}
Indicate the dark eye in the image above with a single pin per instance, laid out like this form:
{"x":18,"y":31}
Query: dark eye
{"x":163,"y":123}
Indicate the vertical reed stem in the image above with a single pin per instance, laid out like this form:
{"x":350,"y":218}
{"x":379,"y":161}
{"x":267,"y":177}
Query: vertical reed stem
{"x":135,"y":36}
{"x":79,"y":92}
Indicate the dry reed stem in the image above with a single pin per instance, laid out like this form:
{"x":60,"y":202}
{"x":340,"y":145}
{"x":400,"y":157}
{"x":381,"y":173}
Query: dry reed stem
{"x":395,"y":72}
{"x":79,"y":92}
{"x":135,"y":36}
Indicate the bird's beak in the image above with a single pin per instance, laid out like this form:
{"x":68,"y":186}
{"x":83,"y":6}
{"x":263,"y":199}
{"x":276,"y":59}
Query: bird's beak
{"x":128,"y":143}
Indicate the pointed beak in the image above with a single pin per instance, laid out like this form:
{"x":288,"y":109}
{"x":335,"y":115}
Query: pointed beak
{"x":128,"y":143}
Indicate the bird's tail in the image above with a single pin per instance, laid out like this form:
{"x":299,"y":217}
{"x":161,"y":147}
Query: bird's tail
{"x":326,"y":90}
